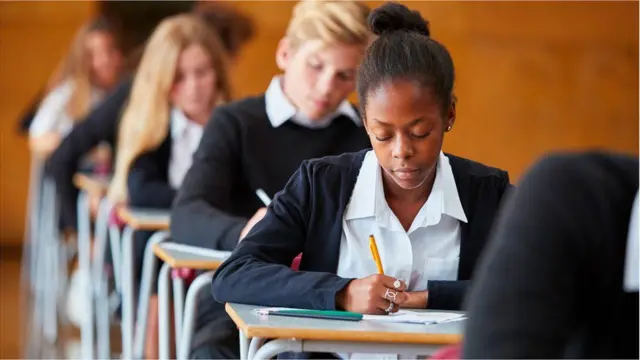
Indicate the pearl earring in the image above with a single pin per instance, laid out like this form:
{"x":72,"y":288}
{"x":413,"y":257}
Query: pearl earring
{"x":449,"y":128}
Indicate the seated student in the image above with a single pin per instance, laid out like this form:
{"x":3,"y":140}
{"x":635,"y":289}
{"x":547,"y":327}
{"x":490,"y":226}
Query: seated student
{"x":91,"y":69}
{"x":235,"y":30}
{"x":552,"y":284}
{"x":182,"y":76}
{"x":259,"y":142}
{"x":430,"y":213}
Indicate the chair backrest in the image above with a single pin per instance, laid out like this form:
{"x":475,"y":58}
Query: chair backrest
{"x":295,"y":264}
{"x":451,"y":352}
{"x":114,"y":219}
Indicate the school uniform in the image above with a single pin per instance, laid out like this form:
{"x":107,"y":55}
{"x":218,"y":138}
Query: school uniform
{"x":52,"y":113}
{"x":101,"y":125}
{"x":552,"y":284}
{"x":155,"y":176}
{"x":327,"y":211}
{"x":255,"y":143}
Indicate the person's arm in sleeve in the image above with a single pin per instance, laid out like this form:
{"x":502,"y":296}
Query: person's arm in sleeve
{"x":198,"y":216}
{"x":147,"y":185}
{"x":100,"y":125}
{"x":259,"y":272}
{"x":44,"y":134}
{"x":449,"y":295}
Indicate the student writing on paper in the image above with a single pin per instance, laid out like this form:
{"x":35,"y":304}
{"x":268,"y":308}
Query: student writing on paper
{"x":429,"y":212}
{"x":552,"y":282}
{"x":182,"y":76}
{"x":259,"y":142}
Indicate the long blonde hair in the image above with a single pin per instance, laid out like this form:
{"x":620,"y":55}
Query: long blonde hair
{"x":76,"y":69}
{"x":145,"y":121}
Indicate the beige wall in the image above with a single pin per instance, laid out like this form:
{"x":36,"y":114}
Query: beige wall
{"x":532,"y":77}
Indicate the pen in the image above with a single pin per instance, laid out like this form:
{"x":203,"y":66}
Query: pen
{"x":264,"y":197}
{"x":376,"y":255}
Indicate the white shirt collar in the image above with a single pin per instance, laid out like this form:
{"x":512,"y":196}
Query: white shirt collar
{"x":180,"y":123}
{"x":443,"y":199}
{"x":280,"y":109}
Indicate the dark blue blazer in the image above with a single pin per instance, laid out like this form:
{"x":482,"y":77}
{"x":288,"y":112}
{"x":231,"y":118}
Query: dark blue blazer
{"x":148,"y":180}
{"x":307,"y":217}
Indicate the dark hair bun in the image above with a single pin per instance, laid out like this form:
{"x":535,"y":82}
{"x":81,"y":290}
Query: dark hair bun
{"x":392,"y":17}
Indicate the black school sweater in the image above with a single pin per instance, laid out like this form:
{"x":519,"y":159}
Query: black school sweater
{"x":551,"y":283}
{"x":241,"y":152}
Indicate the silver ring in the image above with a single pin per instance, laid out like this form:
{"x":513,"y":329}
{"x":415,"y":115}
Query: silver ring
{"x":397,"y":284}
{"x":390,"y":307}
{"x":390,"y":295}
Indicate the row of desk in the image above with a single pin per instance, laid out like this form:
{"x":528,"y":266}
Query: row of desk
{"x":261,"y":337}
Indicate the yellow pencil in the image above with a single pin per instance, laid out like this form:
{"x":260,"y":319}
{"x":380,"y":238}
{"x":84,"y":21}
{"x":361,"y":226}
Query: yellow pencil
{"x":376,"y":255}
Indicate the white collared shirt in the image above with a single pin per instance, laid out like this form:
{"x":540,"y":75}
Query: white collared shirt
{"x":52,"y":112}
{"x":430,"y":250}
{"x":632,"y":264}
{"x":280,"y":109}
{"x":185,"y":138}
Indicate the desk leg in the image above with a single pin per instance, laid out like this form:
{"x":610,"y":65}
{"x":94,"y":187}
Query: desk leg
{"x":255,"y":344}
{"x":278,"y":346}
{"x":127,"y":293}
{"x":148,"y":272}
{"x":178,"y":308}
{"x":163,"y":313}
{"x":190,"y":307}
{"x":244,"y":345}
{"x":116,"y":255}
{"x":84,"y":264}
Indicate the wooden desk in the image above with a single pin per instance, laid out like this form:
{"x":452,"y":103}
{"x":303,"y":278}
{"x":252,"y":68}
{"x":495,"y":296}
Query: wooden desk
{"x":145,"y":219}
{"x":192,"y":257}
{"x":182,"y":256}
{"x":319,"y":335}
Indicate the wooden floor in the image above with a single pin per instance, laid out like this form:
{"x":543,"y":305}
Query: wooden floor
{"x":14,"y":318}
{"x":11,"y":323}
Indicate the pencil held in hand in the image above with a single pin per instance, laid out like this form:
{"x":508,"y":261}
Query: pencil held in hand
{"x":376,"y":255}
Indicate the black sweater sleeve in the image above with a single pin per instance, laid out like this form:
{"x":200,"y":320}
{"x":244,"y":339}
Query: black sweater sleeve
{"x":540,"y":278}
{"x":261,"y":263}
{"x":197,"y":217}
{"x":100,"y":125}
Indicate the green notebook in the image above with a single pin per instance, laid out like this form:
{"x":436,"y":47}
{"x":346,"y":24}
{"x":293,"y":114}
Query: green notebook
{"x":315,"y":314}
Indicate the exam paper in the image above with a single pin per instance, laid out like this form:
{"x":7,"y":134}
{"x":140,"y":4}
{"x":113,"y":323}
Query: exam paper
{"x":415,"y":317}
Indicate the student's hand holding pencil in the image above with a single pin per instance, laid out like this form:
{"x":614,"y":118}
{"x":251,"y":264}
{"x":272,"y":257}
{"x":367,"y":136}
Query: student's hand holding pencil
{"x":375,"y":294}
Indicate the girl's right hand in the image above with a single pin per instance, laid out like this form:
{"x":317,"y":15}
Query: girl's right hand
{"x":373,"y":295}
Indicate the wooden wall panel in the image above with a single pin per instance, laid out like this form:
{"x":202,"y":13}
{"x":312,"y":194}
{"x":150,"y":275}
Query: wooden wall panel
{"x":34,"y":36}
{"x":531,"y":76}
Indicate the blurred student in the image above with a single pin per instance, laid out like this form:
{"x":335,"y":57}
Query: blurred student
{"x":90,"y":71}
{"x":234,"y":29}
{"x":259,"y":142}
{"x":429,"y":212}
{"x":182,"y":76}
{"x":553,"y":282}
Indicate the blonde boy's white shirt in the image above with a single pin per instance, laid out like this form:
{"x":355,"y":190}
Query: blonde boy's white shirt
{"x":429,"y":251}
{"x":52,"y":116}
{"x":185,"y":138}
{"x":280,"y":109}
